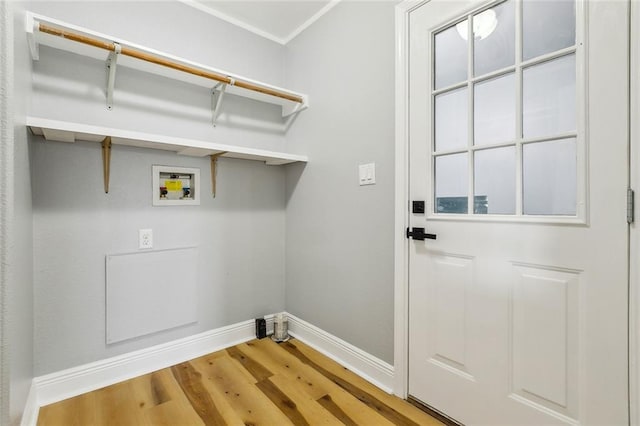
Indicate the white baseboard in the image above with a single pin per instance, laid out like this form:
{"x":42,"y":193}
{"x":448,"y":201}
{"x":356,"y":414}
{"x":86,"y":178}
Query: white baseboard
{"x":86,"y":378}
{"x":75,"y":381}
{"x":31,"y":408}
{"x":355,"y":359}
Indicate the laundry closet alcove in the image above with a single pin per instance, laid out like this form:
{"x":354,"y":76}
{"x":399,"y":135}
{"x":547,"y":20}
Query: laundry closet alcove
{"x":150,"y":294}
{"x":44,"y":31}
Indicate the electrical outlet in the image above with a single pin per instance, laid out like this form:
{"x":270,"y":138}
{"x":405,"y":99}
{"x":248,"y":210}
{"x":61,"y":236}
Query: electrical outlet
{"x":145,"y":238}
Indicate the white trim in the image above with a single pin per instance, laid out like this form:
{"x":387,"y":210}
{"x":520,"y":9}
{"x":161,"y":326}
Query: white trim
{"x":86,"y":378}
{"x":262,"y":33}
{"x":306,"y":24}
{"x":355,"y":359}
{"x":401,"y":266}
{"x":237,"y":22}
{"x":634,"y":237}
{"x":31,"y":408}
{"x":75,"y":381}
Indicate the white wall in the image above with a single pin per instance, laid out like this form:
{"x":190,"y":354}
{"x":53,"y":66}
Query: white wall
{"x":6,"y":162}
{"x":240,"y":234}
{"x":340,"y":235}
{"x":16,"y":272}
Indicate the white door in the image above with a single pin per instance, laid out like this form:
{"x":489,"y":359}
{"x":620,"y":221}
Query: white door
{"x":518,"y":145}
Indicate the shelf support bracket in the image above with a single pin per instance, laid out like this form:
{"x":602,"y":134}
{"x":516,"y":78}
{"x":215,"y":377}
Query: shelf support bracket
{"x":214,"y":171}
{"x":290,"y":118}
{"x":112,"y":62}
{"x":106,"y":162}
{"x":217,"y":94}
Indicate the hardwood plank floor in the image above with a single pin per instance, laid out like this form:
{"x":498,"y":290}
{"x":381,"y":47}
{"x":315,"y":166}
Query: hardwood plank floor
{"x":254,"y":383}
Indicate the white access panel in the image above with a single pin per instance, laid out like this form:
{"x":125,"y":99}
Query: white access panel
{"x":150,"y":291}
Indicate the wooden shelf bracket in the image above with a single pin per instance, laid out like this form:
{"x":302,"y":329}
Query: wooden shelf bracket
{"x":214,"y":171}
{"x":106,"y":162}
{"x":69,"y":132}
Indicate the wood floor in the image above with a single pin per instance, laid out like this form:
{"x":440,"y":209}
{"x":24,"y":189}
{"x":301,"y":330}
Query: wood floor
{"x":255,"y":383}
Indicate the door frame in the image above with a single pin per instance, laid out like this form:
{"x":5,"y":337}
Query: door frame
{"x":401,"y":244}
{"x":634,"y":229}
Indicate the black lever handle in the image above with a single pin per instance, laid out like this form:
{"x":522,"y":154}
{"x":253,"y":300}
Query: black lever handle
{"x":418,"y":234}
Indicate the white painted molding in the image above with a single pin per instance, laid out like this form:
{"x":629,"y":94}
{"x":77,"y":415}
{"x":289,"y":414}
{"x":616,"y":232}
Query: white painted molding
{"x":360,"y":362}
{"x":310,"y":21}
{"x":237,"y":22}
{"x":401,"y":262}
{"x":269,"y":36}
{"x":31,"y":408}
{"x":634,"y":229}
{"x":86,"y":378}
{"x":400,"y":321}
{"x":75,"y":381}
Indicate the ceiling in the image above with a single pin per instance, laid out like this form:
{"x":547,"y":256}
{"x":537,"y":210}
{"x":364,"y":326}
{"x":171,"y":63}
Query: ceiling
{"x":276,"y":20}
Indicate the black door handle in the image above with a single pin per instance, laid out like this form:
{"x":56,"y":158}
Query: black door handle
{"x":418,"y":234}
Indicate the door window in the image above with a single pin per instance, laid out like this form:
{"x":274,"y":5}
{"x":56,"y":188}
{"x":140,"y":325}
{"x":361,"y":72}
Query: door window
{"x":506,"y":137}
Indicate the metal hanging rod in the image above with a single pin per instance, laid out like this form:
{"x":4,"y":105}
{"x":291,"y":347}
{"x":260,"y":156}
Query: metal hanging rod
{"x":80,"y":38}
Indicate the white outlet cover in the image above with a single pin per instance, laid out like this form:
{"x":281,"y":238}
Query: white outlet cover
{"x":145,"y":238}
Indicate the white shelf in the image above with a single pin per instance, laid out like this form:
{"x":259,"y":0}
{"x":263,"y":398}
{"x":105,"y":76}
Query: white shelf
{"x":37,"y":38}
{"x":62,"y":131}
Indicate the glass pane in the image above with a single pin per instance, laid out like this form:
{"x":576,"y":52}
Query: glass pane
{"x":549,"y":98}
{"x":451,"y":56}
{"x":494,"y":112}
{"x":547,"y":26}
{"x":495,"y":181}
{"x":549,"y":177}
{"x":451,"y":120}
{"x":451,"y":183}
{"x":494,"y":38}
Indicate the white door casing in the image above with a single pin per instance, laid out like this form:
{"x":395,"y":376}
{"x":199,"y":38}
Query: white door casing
{"x":634,"y":270}
{"x":521,"y":318}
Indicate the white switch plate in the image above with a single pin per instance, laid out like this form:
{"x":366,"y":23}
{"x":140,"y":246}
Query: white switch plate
{"x":145,"y":238}
{"x":367,"y":174}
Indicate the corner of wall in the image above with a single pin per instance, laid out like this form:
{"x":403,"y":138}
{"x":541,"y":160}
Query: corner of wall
{"x":339,"y":235}
{"x":18,"y":247}
{"x":6,"y":155}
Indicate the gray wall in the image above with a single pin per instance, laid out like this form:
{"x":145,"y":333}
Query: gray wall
{"x":339,"y":241}
{"x":340,"y":235}
{"x":72,"y":88}
{"x":240,"y":234}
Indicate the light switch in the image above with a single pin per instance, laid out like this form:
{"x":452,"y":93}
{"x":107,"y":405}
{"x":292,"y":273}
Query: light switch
{"x":367,"y":174}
